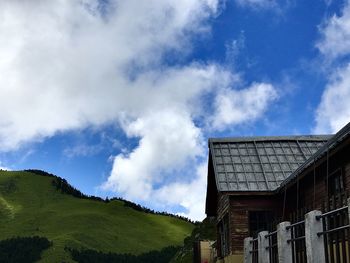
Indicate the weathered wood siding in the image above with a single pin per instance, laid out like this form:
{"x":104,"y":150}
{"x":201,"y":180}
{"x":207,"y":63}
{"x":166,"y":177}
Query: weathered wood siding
{"x":239,"y":216}
{"x":222,"y":210}
{"x":347,"y":174}
{"x":223,"y":206}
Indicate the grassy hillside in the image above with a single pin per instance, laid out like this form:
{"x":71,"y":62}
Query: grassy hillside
{"x":31,"y":206}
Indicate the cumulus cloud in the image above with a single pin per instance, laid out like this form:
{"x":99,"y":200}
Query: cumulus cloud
{"x":186,"y":194}
{"x":333,"y":112}
{"x":169,"y":140}
{"x":171,"y":143}
{"x":68,"y":65}
{"x":335,"y":35}
{"x":65,"y":65}
{"x":233,"y":107}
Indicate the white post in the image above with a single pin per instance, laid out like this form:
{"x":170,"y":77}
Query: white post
{"x":314,"y":244}
{"x":263,"y":243}
{"x":284,"y":247}
{"x":248,"y":247}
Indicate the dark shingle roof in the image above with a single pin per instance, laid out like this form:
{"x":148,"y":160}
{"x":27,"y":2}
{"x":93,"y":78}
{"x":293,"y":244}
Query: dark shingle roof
{"x":260,"y":163}
{"x":333,"y":142}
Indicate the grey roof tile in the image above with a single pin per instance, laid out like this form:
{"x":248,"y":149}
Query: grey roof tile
{"x":318,"y":149}
{"x":260,"y":163}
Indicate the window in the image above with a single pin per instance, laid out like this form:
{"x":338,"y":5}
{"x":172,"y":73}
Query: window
{"x":224,"y":236}
{"x":335,"y":183}
{"x":259,"y":221}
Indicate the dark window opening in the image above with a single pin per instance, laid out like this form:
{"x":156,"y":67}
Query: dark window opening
{"x":259,"y":221}
{"x":336,"y":183}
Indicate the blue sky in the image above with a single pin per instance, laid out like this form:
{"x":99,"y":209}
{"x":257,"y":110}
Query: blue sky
{"x":120,"y":97}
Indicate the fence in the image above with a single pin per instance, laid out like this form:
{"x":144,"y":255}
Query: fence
{"x":318,"y":238}
{"x":335,"y":235}
{"x":335,"y":223}
{"x":272,"y":246}
{"x":297,"y":241}
{"x":255,"y":250}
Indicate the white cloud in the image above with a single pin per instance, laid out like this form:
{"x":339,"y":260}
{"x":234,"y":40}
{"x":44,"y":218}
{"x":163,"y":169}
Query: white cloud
{"x":333,"y":112}
{"x":190,"y":195}
{"x":335,"y":41}
{"x":258,"y":4}
{"x":65,"y":66}
{"x":169,"y":140}
{"x":234,"y":48}
{"x":233,"y":107}
{"x":171,"y":143}
{"x":82,"y":150}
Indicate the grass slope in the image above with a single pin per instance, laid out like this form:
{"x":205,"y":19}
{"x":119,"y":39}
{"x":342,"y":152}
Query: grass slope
{"x":31,"y":206}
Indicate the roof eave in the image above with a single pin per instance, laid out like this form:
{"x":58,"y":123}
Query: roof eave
{"x":330,"y":144}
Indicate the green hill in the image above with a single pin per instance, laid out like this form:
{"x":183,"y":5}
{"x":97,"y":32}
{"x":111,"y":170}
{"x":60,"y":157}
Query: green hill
{"x":31,"y":205}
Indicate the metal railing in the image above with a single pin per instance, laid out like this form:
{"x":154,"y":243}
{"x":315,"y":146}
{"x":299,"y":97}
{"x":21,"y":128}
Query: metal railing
{"x":332,"y":225}
{"x":297,"y":241}
{"x":335,"y":222}
{"x":255,"y":250}
{"x":272,"y":247}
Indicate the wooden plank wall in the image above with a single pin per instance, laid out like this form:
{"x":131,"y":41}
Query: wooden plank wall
{"x":347,"y":175}
{"x":222,"y":210}
{"x":223,"y":206}
{"x":239,"y":216}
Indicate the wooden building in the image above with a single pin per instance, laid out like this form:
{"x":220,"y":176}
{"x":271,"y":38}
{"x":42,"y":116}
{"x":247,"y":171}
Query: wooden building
{"x":256,"y":182}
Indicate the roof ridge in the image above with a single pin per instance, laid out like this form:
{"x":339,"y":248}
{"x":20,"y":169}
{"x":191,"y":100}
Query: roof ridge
{"x":272,"y":138}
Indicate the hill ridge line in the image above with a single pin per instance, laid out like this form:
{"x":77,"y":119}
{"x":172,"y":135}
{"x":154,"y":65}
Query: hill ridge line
{"x":65,"y":187}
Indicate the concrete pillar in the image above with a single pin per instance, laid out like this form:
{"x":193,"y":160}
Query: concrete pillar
{"x":314,"y":244}
{"x":284,"y":248}
{"x":263,"y":242}
{"x":248,"y":247}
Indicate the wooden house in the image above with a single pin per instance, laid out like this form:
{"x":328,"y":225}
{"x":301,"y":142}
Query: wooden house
{"x":256,"y":182}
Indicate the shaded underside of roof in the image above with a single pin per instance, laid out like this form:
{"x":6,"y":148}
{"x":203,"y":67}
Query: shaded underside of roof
{"x":260,"y":163}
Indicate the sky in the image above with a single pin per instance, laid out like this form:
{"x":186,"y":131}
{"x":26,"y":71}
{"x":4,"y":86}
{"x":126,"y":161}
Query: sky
{"x":120,"y":97}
